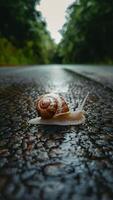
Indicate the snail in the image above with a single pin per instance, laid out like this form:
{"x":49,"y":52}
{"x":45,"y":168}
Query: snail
{"x":53,"y":110}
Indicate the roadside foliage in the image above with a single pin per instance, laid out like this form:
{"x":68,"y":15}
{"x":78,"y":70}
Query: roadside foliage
{"x":24,"y":38}
{"x":88,"y":33}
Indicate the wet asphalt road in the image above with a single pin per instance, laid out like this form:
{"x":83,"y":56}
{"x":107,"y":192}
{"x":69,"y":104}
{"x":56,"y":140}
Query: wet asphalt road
{"x":50,"y":163}
{"x":101,"y":74}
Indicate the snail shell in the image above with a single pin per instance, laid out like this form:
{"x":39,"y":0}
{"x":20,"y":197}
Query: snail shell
{"x":49,"y":105}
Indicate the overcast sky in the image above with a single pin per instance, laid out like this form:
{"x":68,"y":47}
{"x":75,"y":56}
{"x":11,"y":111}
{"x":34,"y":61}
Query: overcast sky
{"x":54,"y":13}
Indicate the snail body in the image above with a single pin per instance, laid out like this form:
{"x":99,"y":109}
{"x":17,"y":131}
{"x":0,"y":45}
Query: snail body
{"x":62,"y":116}
{"x":70,"y":118}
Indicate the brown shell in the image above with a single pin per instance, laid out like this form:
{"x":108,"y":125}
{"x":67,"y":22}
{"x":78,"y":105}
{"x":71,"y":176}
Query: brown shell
{"x":51,"y":104}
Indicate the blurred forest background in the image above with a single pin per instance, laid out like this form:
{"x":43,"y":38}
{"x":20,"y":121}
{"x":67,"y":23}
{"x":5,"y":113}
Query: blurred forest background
{"x":87,"y":35}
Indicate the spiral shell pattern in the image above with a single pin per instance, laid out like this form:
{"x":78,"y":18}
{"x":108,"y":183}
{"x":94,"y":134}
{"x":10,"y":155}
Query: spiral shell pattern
{"x":49,"y":105}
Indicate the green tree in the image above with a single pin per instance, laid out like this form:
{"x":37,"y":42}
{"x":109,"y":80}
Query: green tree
{"x":87,"y":34}
{"x":23,"y":26}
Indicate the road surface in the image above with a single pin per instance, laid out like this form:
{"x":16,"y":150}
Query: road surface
{"x":101,"y":74}
{"x":51,"y":163}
